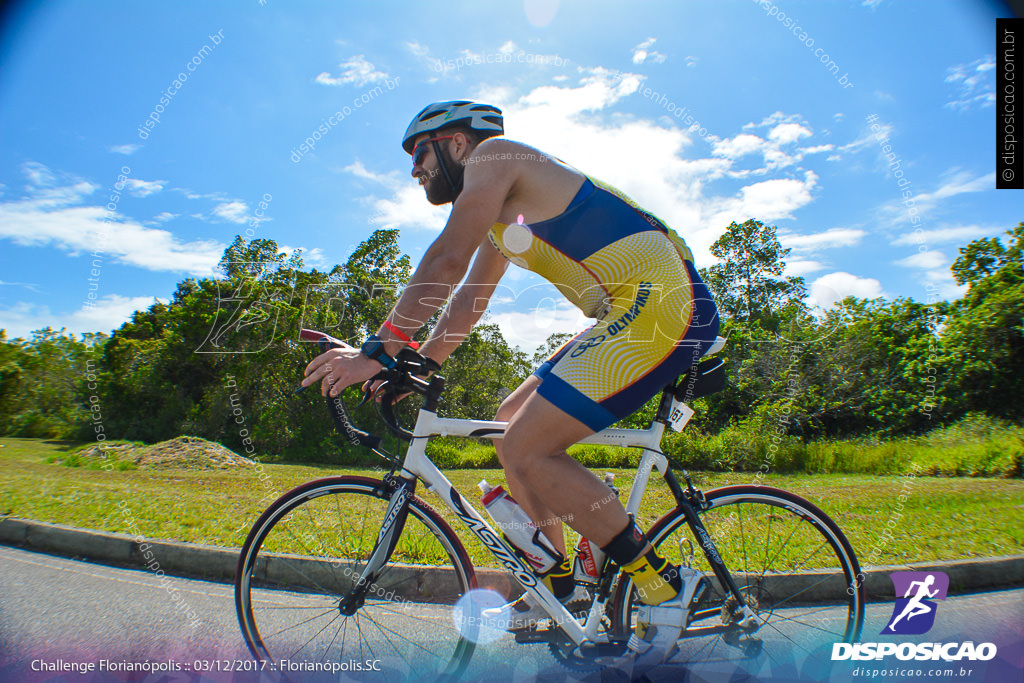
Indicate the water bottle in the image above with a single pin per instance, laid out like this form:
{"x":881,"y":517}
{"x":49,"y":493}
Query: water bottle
{"x":519,"y":529}
{"x":590,"y":557}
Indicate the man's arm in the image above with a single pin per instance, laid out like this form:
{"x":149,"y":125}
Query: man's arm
{"x":486,"y":186}
{"x":467,"y":305}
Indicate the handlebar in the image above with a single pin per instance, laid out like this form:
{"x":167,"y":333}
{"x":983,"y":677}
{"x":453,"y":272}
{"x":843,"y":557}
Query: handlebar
{"x":402,"y":379}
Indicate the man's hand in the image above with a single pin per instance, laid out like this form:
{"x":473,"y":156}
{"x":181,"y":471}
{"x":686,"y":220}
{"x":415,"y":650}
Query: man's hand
{"x":337,"y":369}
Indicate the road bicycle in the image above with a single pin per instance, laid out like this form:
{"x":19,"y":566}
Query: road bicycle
{"x":359,"y":574}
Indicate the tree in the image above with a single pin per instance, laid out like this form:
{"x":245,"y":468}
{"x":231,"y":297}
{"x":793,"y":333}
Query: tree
{"x":748,"y":284}
{"x":43,"y":383}
{"x":983,"y":341}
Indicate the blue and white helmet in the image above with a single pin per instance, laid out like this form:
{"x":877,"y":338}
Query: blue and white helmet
{"x":477,"y":116}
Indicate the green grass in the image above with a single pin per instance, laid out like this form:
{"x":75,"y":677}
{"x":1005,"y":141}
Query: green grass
{"x":942,"y":518}
{"x":974,"y":446}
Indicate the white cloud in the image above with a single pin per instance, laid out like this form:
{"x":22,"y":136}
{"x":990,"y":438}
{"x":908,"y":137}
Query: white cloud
{"x":643,"y":52}
{"x":800,"y":267}
{"x":407,"y":207}
{"x":38,"y":175}
{"x":941,"y":285}
{"x":973,"y":84}
{"x":773,"y":199}
{"x":232,"y":212}
{"x":530,"y":329}
{"x":830,"y":239}
{"x":926,"y":260}
{"x":355,"y":70}
{"x":960,"y":182}
{"x":659,"y":163}
{"x":107,"y":313}
{"x":786,"y":133}
{"x":57,"y":216}
{"x":741,"y":145}
{"x":834,"y":287}
{"x":781,"y":130}
{"x":125,"y":149}
{"x":956,"y":182}
{"x":691,"y":61}
{"x":310,"y":257}
{"x":144,"y":188}
{"x":417,"y":49}
{"x":957,"y":233}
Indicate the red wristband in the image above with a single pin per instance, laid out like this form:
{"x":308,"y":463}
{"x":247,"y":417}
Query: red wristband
{"x":402,"y":336}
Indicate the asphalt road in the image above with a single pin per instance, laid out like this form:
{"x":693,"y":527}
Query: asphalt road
{"x":57,"y":613}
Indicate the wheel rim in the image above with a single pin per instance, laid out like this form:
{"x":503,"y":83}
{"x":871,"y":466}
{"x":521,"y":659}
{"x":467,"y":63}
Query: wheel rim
{"x":306,"y":554}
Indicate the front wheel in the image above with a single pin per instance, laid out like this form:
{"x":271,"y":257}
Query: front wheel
{"x":299,"y":566}
{"x":792,"y":564}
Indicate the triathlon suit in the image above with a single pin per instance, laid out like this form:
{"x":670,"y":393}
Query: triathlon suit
{"x":626,"y":268}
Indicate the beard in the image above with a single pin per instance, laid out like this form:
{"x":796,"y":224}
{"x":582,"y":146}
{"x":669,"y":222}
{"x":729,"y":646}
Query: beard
{"x":437,"y":187}
{"x":438,"y":191}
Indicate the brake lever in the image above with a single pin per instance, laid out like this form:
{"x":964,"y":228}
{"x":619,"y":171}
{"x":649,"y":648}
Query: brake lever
{"x":368,"y":394}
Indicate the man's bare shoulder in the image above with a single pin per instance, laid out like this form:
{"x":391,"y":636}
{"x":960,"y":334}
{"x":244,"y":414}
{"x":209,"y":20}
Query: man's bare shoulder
{"x":501,"y":149}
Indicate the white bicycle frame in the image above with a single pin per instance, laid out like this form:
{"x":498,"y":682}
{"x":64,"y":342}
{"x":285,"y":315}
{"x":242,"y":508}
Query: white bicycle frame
{"x":417,"y":464}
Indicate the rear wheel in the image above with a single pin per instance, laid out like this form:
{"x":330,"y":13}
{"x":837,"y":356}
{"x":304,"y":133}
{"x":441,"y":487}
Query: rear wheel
{"x":793,"y":565}
{"x":302,"y":560}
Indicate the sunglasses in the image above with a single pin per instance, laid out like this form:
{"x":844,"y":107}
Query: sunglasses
{"x":419,"y":150}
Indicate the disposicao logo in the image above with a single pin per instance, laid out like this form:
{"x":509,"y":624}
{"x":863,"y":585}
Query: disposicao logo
{"x":914,"y":613}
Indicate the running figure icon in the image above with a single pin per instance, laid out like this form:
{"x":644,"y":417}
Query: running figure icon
{"x":915,"y":607}
{"x":919,"y":591}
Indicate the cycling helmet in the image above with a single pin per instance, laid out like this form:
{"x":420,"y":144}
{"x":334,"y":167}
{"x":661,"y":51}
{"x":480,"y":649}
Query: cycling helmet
{"x":475,"y":115}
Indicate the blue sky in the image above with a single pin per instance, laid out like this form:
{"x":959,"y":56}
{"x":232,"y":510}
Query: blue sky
{"x":782,"y":93}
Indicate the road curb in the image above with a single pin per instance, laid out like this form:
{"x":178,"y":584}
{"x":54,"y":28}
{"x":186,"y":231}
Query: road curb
{"x":218,"y":564}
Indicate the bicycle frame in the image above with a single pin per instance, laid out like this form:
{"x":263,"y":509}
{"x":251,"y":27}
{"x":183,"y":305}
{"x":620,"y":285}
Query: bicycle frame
{"x":417,"y":465}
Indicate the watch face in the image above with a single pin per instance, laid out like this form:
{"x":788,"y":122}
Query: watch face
{"x":374,"y":348}
{"x":371,"y":347}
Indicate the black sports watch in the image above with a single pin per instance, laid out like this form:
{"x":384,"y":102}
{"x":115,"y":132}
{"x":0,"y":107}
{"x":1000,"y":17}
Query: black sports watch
{"x":373,"y":348}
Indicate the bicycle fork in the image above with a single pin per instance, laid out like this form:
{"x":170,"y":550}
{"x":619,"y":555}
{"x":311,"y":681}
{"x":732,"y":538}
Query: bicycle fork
{"x":741,"y":614}
{"x":387,"y":539}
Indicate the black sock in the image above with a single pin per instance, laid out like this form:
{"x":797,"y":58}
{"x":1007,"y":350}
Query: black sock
{"x":560,"y":580}
{"x":656,"y":579}
{"x":628,"y":545}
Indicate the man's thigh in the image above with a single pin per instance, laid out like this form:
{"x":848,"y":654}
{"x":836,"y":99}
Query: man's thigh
{"x":514,"y":401}
{"x":539,"y":428}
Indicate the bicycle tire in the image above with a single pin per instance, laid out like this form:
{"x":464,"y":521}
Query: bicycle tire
{"x":803,"y":581}
{"x":307,"y":550}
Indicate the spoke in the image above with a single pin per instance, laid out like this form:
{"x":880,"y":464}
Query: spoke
{"x":803,"y":590}
{"x":282,"y":606}
{"x":807,"y":559}
{"x":743,"y":536}
{"x":328,"y":648}
{"x":390,"y":642}
{"x":313,"y":637}
{"x":768,"y":538}
{"x":304,"y":621}
{"x":808,"y":624}
{"x":411,"y":642}
{"x":782,"y":547}
{"x":781,"y":633}
{"x":363,"y":638}
{"x":324,"y":589}
{"x":429,"y":620}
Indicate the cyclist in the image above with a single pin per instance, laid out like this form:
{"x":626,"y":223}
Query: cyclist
{"x":618,"y":264}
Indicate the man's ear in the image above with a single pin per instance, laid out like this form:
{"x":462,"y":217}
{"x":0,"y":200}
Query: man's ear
{"x":463,"y":146}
